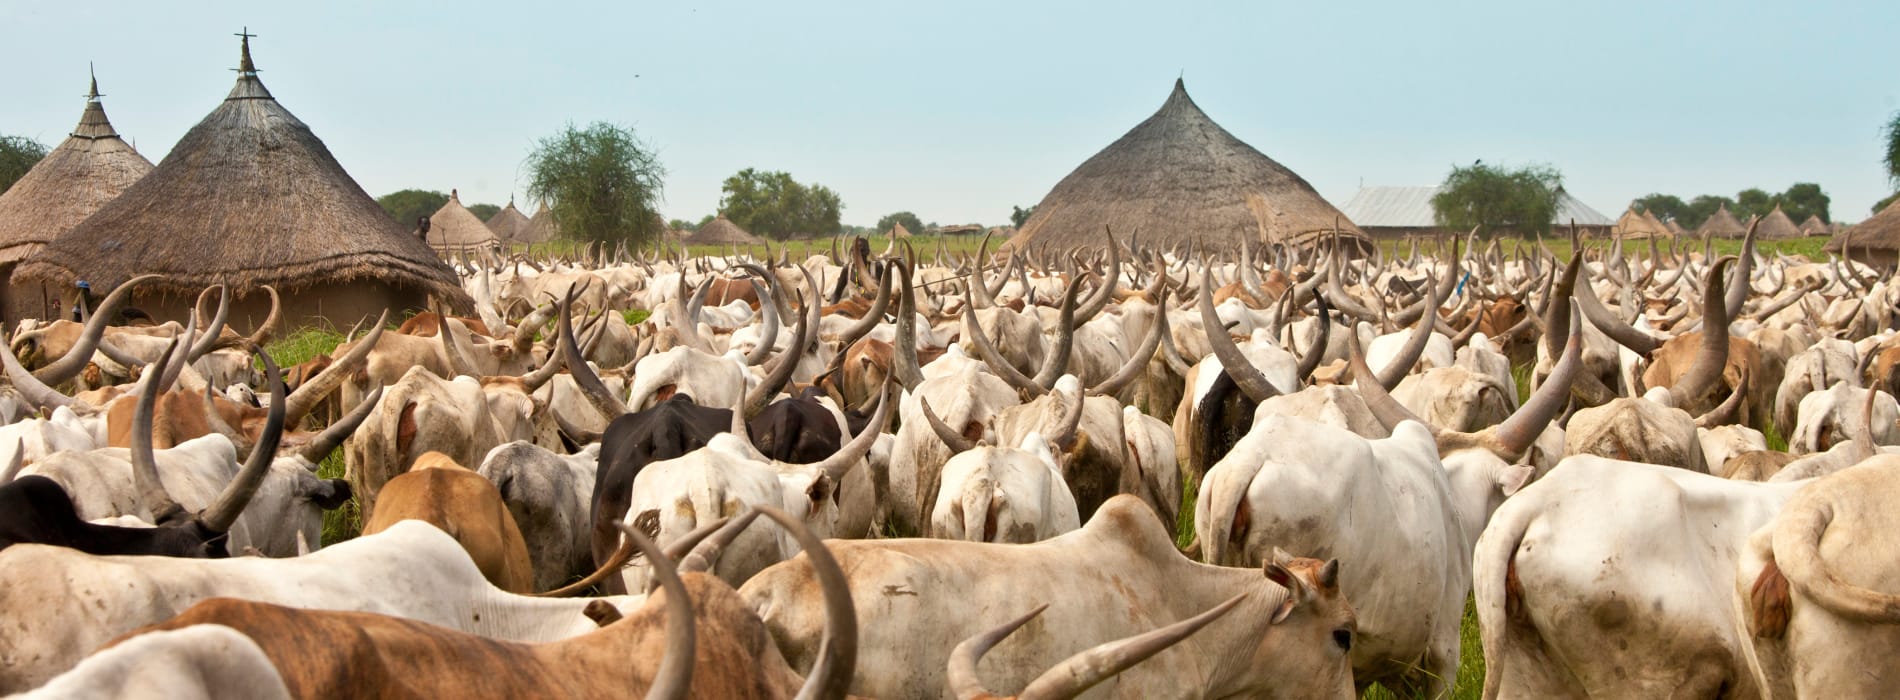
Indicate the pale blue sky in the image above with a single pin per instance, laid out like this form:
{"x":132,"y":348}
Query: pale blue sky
{"x":958,"y":110}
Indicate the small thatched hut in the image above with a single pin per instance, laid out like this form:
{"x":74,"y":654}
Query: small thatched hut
{"x":721,"y":231}
{"x":80,"y":175}
{"x":508,"y":222}
{"x":1675,"y":229}
{"x":1179,"y":177}
{"x":1875,"y":241}
{"x":454,"y":227}
{"x":1776,"y":226}
{"x":1635,"y":224}
{"x":540,"y":228}
{"x":1721,"y":224}
{"x":1814,"y":226}
{"x":898,"y":230}
{"x":250,"y":197}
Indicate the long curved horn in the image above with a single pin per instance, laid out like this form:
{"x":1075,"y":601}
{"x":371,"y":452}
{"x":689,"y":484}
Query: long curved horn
{"x":1232,"y":360}
{"x":1726,"y":411}
{"x":838,"y":648}
{"x":230,"y":503}
{"x":905,"y":364}
{"x":1738,"y":285}
{"x":459,"y":363}
{"x":674,"y":677}
{"x":272,"y":321}
{"x":768,"y":327}
{"x":169,"y":371}
{"x":1392,"y":374}
{"x":837,"y":465}
{"x":1138,"y":360}
{"x":1057,"y":361}
{"x":871,"y":318}
{"x":1624,"y":334}
{"x":144,"y":466}
{"x":993,"y":359}
{"x":1077,"y":673}
{"x":332,"y":437}
{"x":1383,"y":407}
{"x":1516,"y":434}
{"x":1099,"y":300}
{"x":701,"y":557}
{"x":584,"y":376}
{"x":1071,"y":419}
{"x":210,"y":337}
{"x":523,"y":338}
{"x":74,"y":361}
{"x":1714,"y":353}
{"x":1317,"y":351}
{"x":777,"y":376}
{"x":313,"y":391}
{"x":31,"y":388}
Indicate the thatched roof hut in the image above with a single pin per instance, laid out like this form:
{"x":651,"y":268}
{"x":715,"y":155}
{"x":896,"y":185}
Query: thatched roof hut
{"x":1638,"y":225}
{"x":1776,"y":226}
{"x":898,"y":230}
{"x":1675,"y":229}
{"x":80,"y":175}
{"x":454,"y":227}
{"x":540,"y":228}
{"x":1814,"y":226}
{"x":721,"y":231}
{"x":251,"y":197}
{"x":1875,"y":241}
{"x":1721,"y":224}
{"x":508,"y":222}
{"x":1180,"y":177}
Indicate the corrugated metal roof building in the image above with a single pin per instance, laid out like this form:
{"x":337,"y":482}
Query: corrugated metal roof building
{"x":1395,"y":212}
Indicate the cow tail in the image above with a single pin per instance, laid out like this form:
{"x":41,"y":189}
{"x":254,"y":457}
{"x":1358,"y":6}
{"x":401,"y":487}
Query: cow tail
{"x":1797,"y":550}
{"x":1497,"y":594}
{"x":978,"y":495}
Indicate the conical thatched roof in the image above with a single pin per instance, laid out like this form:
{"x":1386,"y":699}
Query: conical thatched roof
{"x":898,"y":230}
{"x":1721,"y":224}
{"x":1814,"y":226}
{"x":1880,"y":232}
{"x":454,"y":226}
{"x":722,"y":231}
{"x":1777,"y":226}
{"x":508,"y":222}
{"x":1675,"y":229}
{"x":80,"y":175}
{"x":540,"y":229}
{"x":1638,"y":225}
{"x":1180,"y":177}
{"x":250,"y":197}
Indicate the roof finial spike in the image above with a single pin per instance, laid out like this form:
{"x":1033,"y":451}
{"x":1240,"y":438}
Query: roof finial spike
{"x":245,"y":67}
{"x":93,"y":94}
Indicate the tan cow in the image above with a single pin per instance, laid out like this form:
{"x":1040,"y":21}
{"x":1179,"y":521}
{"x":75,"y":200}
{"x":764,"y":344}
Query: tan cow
{"x":468,"y":507}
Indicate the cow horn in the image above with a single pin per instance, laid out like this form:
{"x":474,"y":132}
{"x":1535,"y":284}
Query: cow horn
{"x":1233,"y":361}
{"x":1249,"y":277}
{"x":1517,"y":433}
{"x":459,"y":362}
{"x":327,"y":441}
{"x":316,"y":388}
{"x":1865,"y":435}
{"x":1070,"y":421}
{"x":1392,"y":374}
{"x":838,"y":648}
{"x":776,"y":376}
{"x":144,"y":466}
{"x":1077,"y":673}
{"x":1624,"y":334}
{"x":169,"y":371}
{"x":768,"y":327}
{"x":539,"y":376}
{"x":1383,"y":407}
{"x":1738,"y":286}
{"x":1713,"y":356}
{"x":871,"y":318}
{"x":950,"y":437}
{"x":1726,"y":411}
{"x":272,"y":321}
{"x":697,"y":303}
{"x":31,"y":388}
{"x":674,"y":678}
{"x":1138,"y":360}
{"x":1056,"y":362}
{"x":230,"y":503}
{"x":1099,"y":300}
{"x":705,"y":553}
{"x":210,"y":337}
{"x":216,"y":422}
{"x":991,"y":358}
{"x":840,"y":463}
{"x":523,"y":338}
{"x":1317,"y":351}
{"x":14,"y":462}
{"x":74,"y":361}
{"x":584,"y":376}
{"x":905,"y":365}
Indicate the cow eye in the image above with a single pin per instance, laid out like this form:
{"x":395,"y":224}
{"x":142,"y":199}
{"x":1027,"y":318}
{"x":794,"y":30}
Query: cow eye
{"x":1343,"y":637}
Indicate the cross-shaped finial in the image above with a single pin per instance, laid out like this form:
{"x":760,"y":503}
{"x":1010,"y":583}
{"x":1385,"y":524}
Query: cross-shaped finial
{"x":245,"y":67}
{"x":93,"y":95}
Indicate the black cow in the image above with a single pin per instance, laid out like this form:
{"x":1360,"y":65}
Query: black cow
{"x":799,"y":430}
{"x":668,"y":430}
{"x":35,"y":510}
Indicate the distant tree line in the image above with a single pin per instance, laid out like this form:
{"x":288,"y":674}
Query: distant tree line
{"x":405,"y":206}
{"x":18,"y":154}
{"x":1891,"y":159}
{"x":1799,"y":201}
{"x":1494,"y":198}
{"x":774,"y":205}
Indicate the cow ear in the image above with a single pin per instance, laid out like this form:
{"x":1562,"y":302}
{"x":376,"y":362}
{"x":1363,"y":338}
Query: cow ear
{"x":335,"y":496}
{"x":821,"y":488}
{"x":1329,"y":575}
{"x":1514,"y":477}
{"x":1295,"y":591}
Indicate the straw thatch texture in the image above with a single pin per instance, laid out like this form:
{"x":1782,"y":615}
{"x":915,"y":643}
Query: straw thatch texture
{"x":1638,"y":225}
{"x":540,"y":229}
{"x":1776,"y":226}
{"x":248,"y":197}
{"x":80,"y":175}
{"x":1814,"y":226}
{"x":455,"y":227}
{"x":1675,"y":229}
{"x":721,"y":231}
{"x":1721,"y":224}
{"x":508,"y":222}
{"x":1180,"y":177}
{"x":1876,"y":240}
{"x":898,"y":230}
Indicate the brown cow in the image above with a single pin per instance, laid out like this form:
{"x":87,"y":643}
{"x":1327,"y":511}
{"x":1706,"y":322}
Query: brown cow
{"x":468,"y":507}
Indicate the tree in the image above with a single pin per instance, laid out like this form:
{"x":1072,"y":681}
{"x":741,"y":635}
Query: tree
{"x":1882,"y":204}
{"x":484,"y":211}
{"x":1491,"y":198}
{"x":1804,"y":199}
{"x":406,"y":206}
{"x":1019,"y":215}
{"x":772,"y":204}
{"x":601,"y":183}
{"x":707,"y":219}
{"x":1703,"y":207}
{"x":910,"y":221}
{"x":1752,"y":202}
{"x":1892,"y":159}
{"x":18,"y":154}
{"x":682,"y":225}
{"x":1664,"y":206}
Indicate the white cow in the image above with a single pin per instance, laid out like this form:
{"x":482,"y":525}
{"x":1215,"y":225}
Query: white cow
{"x":1001,"y":494}
{"x":550,"y":496}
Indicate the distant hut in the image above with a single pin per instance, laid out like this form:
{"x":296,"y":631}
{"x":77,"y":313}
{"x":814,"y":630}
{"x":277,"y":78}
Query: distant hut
{"x":454,"y":227}
{"x":508,"y":222}
{"x":1675,"y":229}
{"x":1638,"y":225}
{"x":80,"y":175}
{"x":1814,"y":226}
{"x":1875,"y":241}
{"x":959,"y":230}
{"x":540,"y":228}
{"x":250,"y":197}
{"x":1721,"y":224}
{"x":1179,"y":177}
{"x":897,"y":230}
{"x":721,"y":231}
{"x":1572,"y":213}
{"x":1776,"y":226}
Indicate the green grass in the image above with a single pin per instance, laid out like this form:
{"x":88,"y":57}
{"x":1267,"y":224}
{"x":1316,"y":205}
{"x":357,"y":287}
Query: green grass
{"x":303,"y":344}
{"x":1470,"y":682}
{"x":1560,"y":247}
{"x":1772,"y":433}
{"x":345,"y":522}
{"x":635,"y":316}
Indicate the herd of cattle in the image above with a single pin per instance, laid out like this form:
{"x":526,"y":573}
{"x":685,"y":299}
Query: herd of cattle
{"x":1117,"y":472}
